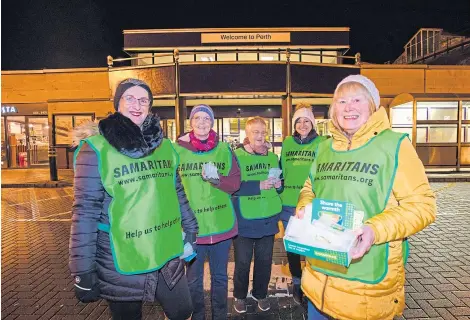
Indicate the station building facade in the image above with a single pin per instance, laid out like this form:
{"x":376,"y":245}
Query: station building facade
{"x":240,"y":73}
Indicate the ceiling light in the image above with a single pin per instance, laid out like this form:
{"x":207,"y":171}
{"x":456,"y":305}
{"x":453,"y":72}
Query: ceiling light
{"x":267,"y":58}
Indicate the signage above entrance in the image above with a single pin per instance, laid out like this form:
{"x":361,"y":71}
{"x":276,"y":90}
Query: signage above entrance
{"x":9,"y":109}
{"x":240,"y":37}
{"x":24,"y":109}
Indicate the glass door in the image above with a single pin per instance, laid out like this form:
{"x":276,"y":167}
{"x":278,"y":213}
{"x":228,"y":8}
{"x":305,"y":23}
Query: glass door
{"x":4,"y":145}
{"x":17,"y":141}
{"x":38,"y":141}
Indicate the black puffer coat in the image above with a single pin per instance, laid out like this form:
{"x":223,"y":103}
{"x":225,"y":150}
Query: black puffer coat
{"x":90,"y":248}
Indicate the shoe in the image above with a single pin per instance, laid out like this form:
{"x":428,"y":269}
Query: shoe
{"x":239,"y":305}
{"x":263,"y":304}
{"x":297,"y":293}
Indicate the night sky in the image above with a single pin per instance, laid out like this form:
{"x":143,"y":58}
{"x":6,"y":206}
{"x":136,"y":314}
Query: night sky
{"x":81,"y":33}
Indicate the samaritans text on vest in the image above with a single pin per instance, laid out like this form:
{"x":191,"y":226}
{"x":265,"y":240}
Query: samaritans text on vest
{"x":300,"y":155}
{"x":349,"y":166}
{"x":334,"y":171}
{"x":141,"y":166}
{"x":255,"y":169}
{"x":155,"y":228}
{"x":186,"y":168}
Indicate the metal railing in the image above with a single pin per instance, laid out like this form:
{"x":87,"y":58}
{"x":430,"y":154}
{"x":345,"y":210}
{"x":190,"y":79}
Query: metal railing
{"x":166,"y":58}
{"x":435,"y":45}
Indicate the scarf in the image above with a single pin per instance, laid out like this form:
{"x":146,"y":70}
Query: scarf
{"x":261,"y":150}
{"x":203,"y":146}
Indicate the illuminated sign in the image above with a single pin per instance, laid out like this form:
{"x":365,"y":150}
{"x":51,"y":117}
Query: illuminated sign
{"x":9,"y":109}
{"x":238,"y":37}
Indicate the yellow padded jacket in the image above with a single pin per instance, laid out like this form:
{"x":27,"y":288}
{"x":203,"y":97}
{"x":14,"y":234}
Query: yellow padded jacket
{"x":411,"y":207}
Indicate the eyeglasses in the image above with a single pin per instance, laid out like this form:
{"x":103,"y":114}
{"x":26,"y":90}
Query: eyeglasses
{"x":256,"y":133}
{"x":132,"y":100}
{"x":203,"y":119}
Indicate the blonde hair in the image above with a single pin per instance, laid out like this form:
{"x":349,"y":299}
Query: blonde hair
{"x":346,"y":87}
{"x":254,"y":120}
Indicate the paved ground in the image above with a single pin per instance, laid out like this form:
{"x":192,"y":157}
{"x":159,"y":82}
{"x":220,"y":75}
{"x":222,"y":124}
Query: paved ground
{"x":36,"y":282}
{"x":38,"y":177}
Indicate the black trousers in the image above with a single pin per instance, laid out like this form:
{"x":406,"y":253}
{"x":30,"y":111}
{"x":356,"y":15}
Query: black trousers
{"x":176,"y":303}
{"x":263,"y":251}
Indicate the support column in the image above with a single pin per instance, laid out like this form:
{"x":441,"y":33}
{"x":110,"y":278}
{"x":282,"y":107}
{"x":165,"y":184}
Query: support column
{"x":180,"y":102}
{"x":286,"y":113}
{"x":180,"y":115}
{"x":286,"y":110}
{"x":52,"y":153}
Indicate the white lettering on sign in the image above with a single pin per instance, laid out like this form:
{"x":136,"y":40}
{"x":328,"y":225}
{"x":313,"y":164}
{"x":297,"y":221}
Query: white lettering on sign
{"x":9,"y":109}
{"x":245,"y":37}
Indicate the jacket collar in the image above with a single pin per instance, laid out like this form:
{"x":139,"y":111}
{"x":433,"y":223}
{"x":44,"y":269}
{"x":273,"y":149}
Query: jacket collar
{"x":130,"y":140}
{"x":377,"y":123}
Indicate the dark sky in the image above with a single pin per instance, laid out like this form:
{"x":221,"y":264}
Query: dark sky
{"x":40,"y":34}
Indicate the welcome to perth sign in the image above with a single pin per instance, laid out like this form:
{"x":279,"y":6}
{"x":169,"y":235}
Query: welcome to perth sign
{"x":245,"y":37}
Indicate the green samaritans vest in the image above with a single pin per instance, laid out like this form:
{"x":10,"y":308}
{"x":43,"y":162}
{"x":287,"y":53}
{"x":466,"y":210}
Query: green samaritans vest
{"x":256,"y":168}
{"x":212,"y":207}
{"x":296,"y":161}
{"x":144,"y":214}
{"x":363,"y":177}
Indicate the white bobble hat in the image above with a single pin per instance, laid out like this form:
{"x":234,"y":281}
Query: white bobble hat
{"x":367,"y":83}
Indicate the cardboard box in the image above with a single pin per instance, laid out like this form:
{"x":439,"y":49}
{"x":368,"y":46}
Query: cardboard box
{"x":325,"y":233}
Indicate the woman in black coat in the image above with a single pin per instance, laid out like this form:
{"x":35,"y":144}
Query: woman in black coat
{"x":136,"y":134}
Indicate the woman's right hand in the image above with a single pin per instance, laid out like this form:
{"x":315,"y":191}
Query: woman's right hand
{"x":266,"y":184}
{"x":300,"y":213}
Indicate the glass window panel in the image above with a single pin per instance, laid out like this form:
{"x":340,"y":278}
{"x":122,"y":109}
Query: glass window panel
{"x":63,"y":129}
{"x":79,"y":120}
{"x":425,"y":42}
{"x":205,"y":57}
{"x":248,"y":56}
{"x":265,"y":56}
{"x":186,"y":57}
{"x":164,"y":59}
{"x":442,"y":133}
{"x":413,"y":50}
{"x":402,"y":115}
{"x":144,"y":59}
{"x":310,"y":56}
{"x":277,"y":130}
{"x":439,"y":110}
{"x":466,"y":110}
{"x":227,"y":56}
{"x":327,"y":57}
{"x":293,"y":57}
{"x":466,"y":136}
{"x":418,"y":45}
{"x":421,"y":135}
{"x":171,"y":129}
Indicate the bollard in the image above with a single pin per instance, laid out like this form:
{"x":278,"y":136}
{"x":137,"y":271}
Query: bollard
{"x":53,"y":163}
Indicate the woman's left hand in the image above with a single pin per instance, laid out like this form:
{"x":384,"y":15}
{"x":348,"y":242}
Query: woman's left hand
{"x":278,"y":184}
{"x":366,"y":239}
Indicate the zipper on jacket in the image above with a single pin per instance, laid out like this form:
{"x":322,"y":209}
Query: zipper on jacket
{"x":323,"y":294}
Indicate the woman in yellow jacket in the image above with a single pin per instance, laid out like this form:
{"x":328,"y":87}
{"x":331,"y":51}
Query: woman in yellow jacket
{"x":378,"y":172}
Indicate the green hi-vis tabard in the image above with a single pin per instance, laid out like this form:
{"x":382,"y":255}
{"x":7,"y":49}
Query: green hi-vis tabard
{"x":256,"y":168}
{"x":296,"y":162}
{"x":211,"y":206}
{"x":144,"y":214}
{"x":363,"y":177}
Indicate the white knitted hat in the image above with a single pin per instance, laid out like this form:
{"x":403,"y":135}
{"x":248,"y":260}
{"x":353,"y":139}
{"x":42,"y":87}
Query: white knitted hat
{"x":367,"y":83}
{"x":303,"y":113}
